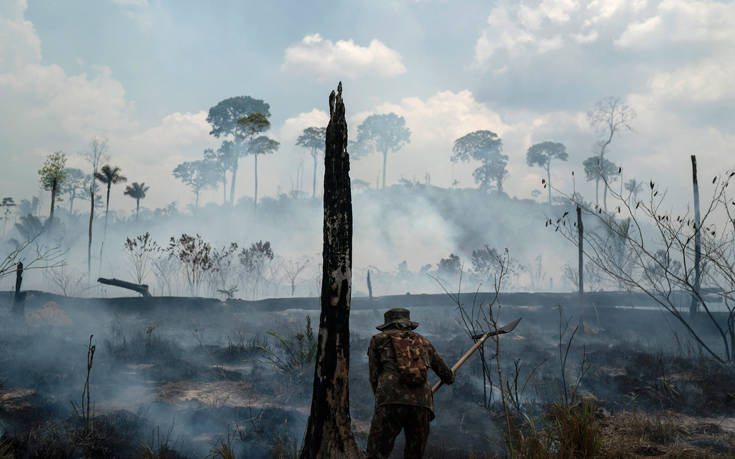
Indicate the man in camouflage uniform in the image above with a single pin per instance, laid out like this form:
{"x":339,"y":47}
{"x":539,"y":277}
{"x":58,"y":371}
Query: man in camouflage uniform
{"x":399,"y":405}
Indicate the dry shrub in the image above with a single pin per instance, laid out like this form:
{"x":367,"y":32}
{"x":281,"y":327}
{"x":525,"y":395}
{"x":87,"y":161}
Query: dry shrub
{"x":570,"y":431}
{"x":223,"y":448}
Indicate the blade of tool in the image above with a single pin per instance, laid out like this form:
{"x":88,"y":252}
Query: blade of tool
{"x":481,"y":339}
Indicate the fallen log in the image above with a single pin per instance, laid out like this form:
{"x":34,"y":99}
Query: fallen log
{"x":140,"y":288}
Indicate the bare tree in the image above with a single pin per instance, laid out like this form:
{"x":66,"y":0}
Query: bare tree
{"x":33,"y":254}
{"x":609,"y":117}
{"x":140,"y":251}
{"x":293,"y":269}
{"x":95,"y":155}
{"x":661,"y":252}
{"x":194,"y":254}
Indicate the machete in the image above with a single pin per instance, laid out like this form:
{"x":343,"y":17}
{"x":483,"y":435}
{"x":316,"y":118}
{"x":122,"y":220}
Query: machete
{"x":480,"y":339}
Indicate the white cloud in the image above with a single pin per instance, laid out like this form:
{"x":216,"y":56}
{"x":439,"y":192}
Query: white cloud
{"x":708,"y":81}
{"x":294,"y":126}
{"x":131,"y":2}
{"x":676,"y":21}
{"x":19,"y":44}
{"x":317,"y":56}
{"x":45,"y":109}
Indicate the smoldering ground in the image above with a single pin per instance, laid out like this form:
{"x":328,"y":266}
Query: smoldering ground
{"x":185,"y":375}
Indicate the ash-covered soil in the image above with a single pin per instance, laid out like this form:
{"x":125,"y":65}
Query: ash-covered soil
{"x":170,"y":381}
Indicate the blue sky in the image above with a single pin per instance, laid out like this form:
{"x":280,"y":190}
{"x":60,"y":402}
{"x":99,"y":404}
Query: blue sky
{"x":143,"y":74}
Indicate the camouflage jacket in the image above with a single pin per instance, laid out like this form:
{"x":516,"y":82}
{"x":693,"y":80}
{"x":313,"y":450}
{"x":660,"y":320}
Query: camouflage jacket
{"x":385,"y":378}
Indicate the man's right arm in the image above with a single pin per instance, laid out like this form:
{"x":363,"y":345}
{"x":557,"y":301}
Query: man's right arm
{"x":440,"y":368}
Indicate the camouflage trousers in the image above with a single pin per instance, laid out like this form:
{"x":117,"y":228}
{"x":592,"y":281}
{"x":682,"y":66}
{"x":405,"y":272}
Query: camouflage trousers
{"x":388,"y":420}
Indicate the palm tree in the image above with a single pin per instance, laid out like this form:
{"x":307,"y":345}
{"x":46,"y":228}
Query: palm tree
{"x":136,"y":191}
{"x":109,"y":176}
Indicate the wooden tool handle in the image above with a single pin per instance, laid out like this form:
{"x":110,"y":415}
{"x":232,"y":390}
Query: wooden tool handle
{"x":462,"y":360}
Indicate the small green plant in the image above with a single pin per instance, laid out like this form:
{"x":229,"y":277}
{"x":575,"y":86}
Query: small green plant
{"x":293,"y":355}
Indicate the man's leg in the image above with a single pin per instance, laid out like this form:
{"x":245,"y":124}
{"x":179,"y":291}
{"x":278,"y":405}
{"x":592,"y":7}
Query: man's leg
{"x":384,"y":428}
{"x":416,"y":428}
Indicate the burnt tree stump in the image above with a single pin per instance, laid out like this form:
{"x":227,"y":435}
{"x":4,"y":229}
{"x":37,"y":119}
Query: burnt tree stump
{"x":19,"y":298}
{"x":328,"y":431}
{"x":694,"y":305}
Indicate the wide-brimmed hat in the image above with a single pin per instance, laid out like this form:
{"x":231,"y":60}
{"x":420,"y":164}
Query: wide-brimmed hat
{"x":399,"y":317}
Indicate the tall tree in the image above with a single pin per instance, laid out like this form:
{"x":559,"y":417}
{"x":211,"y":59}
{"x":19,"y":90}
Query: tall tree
{"x":261,"y":145}
{"x":8,"y":203}
{"x":606,"y":171}
{"x":224,"y":160}
{"x":197,"y":175}
{"x":609,"y":116}
{"x":541,"y":154}
{"x":634,"y":187}
{"x":52,"y":176}
{"x":328,"y":430}
{"x":486,"y":147}
{"x":313,"y":139}
{"x":95,"y":155}
{"x":251,"y":125}
{"x":224,"y":119}
{"x":136,"y":191}
{"x":74,"y":186}
{"x":382,"y":133}
{"x":109,"y":176}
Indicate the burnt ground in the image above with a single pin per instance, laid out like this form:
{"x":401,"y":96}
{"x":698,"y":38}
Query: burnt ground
{"x":182,"y":377}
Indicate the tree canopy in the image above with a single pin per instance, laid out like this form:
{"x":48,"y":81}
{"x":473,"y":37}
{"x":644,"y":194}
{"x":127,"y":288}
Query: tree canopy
{"x":596,"y":170}
{"x":52,"y":173}
{"x":383,"y":133}
{"x":110,"y":175}
{"x":197,"y":175}
{"x":478,"y":145}
{"x":486,"y":147}
{"x":252,"y":124}
{"x":312,"y":138}
{"x":262,"y":145}
{"x":136,"y":190}
{"x":225,"y":116}
{"x":541,"y":154}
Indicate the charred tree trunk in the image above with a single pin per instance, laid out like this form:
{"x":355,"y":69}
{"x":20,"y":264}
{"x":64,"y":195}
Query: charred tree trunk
{"x":369,"y":285}
{"x":140,"y":288}
{"x":580,"y":259}
{"x":314,"y":154}
{"x":19,"y":299}
{"x":697,"y":241}
{"x":89,"y":244}
{"x":53,"y":200}
{"x":328,"y":431}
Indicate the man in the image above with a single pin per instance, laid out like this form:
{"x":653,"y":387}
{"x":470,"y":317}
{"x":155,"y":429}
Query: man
{"x":398,"y":359}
